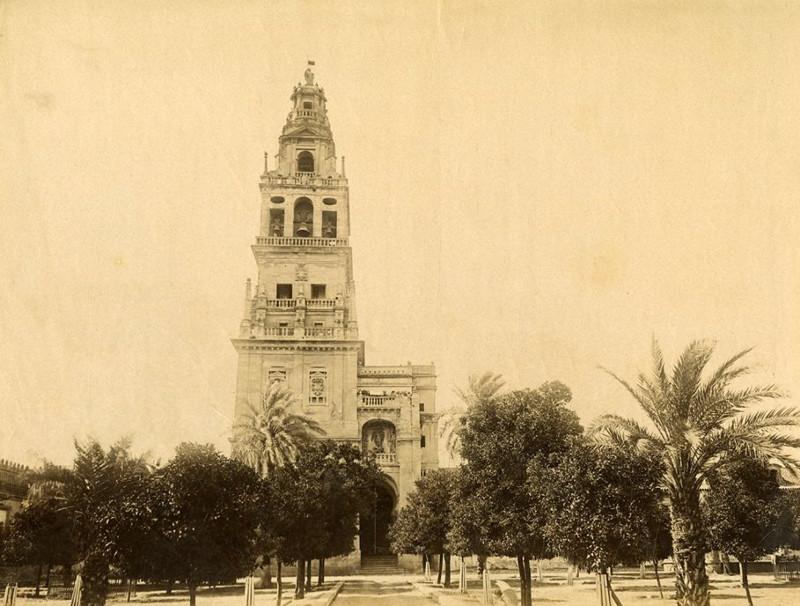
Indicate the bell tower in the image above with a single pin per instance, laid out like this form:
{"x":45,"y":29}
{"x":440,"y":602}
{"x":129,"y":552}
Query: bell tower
{"x":299,"y":322}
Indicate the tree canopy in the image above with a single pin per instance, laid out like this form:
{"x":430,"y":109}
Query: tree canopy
{"x":697,"y":418}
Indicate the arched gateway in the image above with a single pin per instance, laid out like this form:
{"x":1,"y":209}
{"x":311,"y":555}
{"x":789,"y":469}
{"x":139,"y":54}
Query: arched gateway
{"x":374,"y":528}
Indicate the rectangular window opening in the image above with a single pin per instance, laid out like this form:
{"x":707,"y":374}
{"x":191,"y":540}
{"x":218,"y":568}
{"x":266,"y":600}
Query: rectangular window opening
{"x":318,"y":291}
{"x":283,"y":291}
{"x":328,"y":223}
{"x":421,"y":407}
{"x":422,"y":442}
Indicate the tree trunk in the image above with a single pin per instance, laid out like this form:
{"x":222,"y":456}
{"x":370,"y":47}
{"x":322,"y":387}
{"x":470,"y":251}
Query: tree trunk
{"x":299,"y":581}
{"x":481,"y":565}
{"x":308,"y":574}
{"x":321,"y":572}
{"x":688,"y":548}
{"x":267,"y":576}
{"x":95,"y":580}
{"x":66,"y":574}
{"x":192,"y":585}
{"x":131,"y":588}
{"x":658,"y":579}
{"x":170,"y":585}
{"x":439,"y":569}
{"x":280,"y":585}
{"x":527,"y":599}
{"x":47,"y":581}
{"x":38,"y":580}
{"x":447,"y":570}
{"x":745,"y":583}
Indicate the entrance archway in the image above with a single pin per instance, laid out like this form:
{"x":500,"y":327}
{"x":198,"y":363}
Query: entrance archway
{"x":374,"y":528}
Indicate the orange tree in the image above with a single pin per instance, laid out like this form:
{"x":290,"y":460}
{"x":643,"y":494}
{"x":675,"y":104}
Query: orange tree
{"x":494,"y":512}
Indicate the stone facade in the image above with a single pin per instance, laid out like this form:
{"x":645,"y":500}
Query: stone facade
{"x":13,"y":488}
{"x":300,"y":324}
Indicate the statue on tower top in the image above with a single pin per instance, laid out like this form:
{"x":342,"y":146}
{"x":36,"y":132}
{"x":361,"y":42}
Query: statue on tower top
{"x":309,"y":75}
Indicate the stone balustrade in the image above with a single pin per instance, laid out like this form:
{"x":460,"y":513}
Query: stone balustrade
{"x":384,"y":458}
{"x":320,"y":303}
{"x":295,"y":241}
{"x":281,"y":303}
{"x":311,"y":179}
{"x":379,"y":400}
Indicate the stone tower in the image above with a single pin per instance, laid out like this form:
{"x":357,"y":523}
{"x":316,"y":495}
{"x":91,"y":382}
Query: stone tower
{"x":300,"y":323}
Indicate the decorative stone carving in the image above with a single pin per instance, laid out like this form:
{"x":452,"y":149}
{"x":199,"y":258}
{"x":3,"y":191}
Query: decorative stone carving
{"x":379,"y":438}
{"x":301,"y":272}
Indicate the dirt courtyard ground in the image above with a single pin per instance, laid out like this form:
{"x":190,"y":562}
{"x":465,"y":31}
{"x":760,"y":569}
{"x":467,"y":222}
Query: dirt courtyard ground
{"x":631,"y":591}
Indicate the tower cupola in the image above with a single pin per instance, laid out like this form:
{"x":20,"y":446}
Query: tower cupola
{"x":306,"y":143}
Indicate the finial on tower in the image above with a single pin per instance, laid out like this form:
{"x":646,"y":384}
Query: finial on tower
{"x":309,"y":75}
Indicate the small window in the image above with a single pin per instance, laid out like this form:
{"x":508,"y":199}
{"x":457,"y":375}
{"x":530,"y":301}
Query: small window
{"x":284,"y":291}
{"x":317,"y":291}
{"x":421,"y":407}
{"x":329,"y":201}
{"x":277,"y":199}
{"x":319,"y":324}
{"x":307,"y":105}
{"x":283,"y":324}
{"x":422,"y":442}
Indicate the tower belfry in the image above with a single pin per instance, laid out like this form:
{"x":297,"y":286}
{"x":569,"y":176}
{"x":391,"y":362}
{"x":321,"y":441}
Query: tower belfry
{"x":299,"y":323}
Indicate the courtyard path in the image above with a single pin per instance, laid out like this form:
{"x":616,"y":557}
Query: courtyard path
{"x":387,"y":591}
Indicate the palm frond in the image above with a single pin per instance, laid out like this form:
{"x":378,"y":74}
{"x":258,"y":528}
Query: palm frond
{"x":622,"y":430}
{"x":687,"y":376}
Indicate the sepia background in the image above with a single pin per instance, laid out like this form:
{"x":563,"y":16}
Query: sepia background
{"x":537,"y":189}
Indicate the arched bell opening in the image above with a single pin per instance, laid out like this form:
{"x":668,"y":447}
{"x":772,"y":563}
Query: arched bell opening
{"x":305,"y":162}
{"x":303,"y":218}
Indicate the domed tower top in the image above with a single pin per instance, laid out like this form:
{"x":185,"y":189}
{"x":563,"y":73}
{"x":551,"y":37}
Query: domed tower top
{"x":306,"y":144}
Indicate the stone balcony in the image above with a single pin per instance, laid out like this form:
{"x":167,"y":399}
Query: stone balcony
{"x":296,"y":241}
{"x":290,"y":304}
{"x":291,"y":333}
{"x":302,"y":179}
{"x":386,"y":458}
{"x":375,"y":401}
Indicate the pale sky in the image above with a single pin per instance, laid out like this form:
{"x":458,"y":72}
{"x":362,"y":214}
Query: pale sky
{"x":537,"y":188}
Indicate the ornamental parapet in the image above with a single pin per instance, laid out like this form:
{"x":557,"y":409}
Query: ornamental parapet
{"x":294,"y":241}
{"x":302,"y":180}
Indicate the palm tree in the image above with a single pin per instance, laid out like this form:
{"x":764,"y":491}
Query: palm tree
{"x":269,"y":435}
{"x":479,"y":388}
{"x":697,"y":419}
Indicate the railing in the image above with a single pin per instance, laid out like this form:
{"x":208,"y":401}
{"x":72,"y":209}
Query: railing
{"x":281,"y":303}
{"x":304,"y":179}
{"x":290,"y":332}
{"x":385,"y":457}
{"x":279,"y":331}
{"x":292,"y":241}
{"x":306,"y":113}
{"x":319,"y":332}
{"x":320,"y":303}
{"x":380,"y":400}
